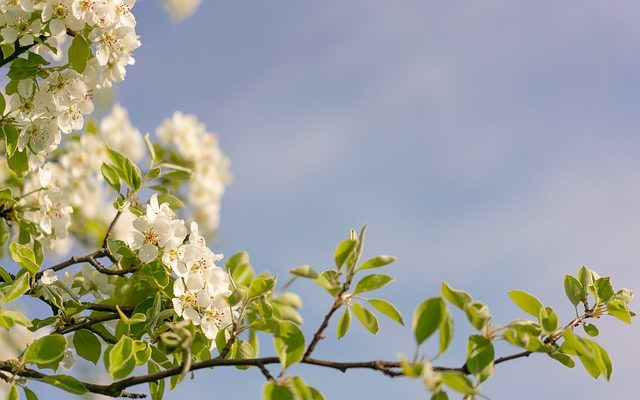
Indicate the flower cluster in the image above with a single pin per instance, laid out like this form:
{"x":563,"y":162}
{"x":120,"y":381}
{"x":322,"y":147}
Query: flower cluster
{"x":201,"y":151}
{"x":200,"y":285}
{"x":46,"y":101}
{"x":74,"y":181}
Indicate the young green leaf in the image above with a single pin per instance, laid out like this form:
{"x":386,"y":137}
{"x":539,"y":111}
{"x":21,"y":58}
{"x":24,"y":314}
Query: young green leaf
{"x":446,"y":331}
{"x":344,"y":323}
{"x":548,"y":319}
{"x":377,"y":262}
{"x":618,"y":309}
{"x":458,"y":298}
{"x":79,"y":53}
{"x":120,"y":358}
{"x":304,"y":271}
{"x":343,"y":251}
{"x":288,"y":341}
{"x":15,"y":289}
{"x":29,"y":394}
{"x":574,"y":290}
{"x":387,"y":309}
{"x":46,"y":351}
{"x":604,"y":289}
{"x":427,"y":318}
{"x":87,"y":345}
{"x":526,"y":302}
{"x":563,"y":359}
{"x":458,"y":382}
{"x":372,"y":282}
{"x":480,"y":353}
{"x":272,"y":390}
{"x":591,"y":330}
{"x":366,"y":318}
{"x":66,"y":383}
{"x":478,"y":314}
{"x":111,"y":176}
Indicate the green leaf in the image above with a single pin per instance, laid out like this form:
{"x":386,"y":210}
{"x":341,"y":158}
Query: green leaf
{"x":372,"y":282}
{"x":329,"y":280}
{"x":343,"y":251}
{"x":606,"y":365}
{"x":120,"y":358}
{"x":478,"y":314}
{"x":377,"y":262}
{"x":19,"y":162}
{"x":15,"y":289}
{"x":261,"y":285}
{"x":458,"y":298}
{"x":24,"y":256}
{"x":8,"y":318}
{"x":446,"y":331}
{"x":344,"y":323}
{"x":585,"y":276}
{"x":604,"y":289}
{"x":46,"y":351}
{"x":574,"y":345}
{"x":563,"y":359}
{"x":480,"y":353}
{"x":387,"y":309}
{"x":240,"y":269}
{"x":87,"y":345}
{"x":457,"y":382}
{"x":152,"y":151}
{"x":288,"y":341}
{"x":11,"y":135}
{"x":30,"y":395}
{"x":427,"y":318}
{"x":111,"y":176}
{"x":67,"y":383}
{"x":156,"y":389}
{"x":618,"y":308}
{"x":142,"y":352}
{"x":591,"y":330}
{"x":79,"y":53}
{"x":440,"y":396}
{"x":548,"y":319}
{"x":13,"y":393}
{"x":7,"y":50}
{"x":304,"y":271}
{"x":366,"y":318}
{"x":526,"y":302}
{"x":574,"y":290}
{"x":274,"y":391}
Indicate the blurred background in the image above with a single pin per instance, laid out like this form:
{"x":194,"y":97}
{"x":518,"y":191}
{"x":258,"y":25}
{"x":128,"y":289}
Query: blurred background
{"x":490,"y":144}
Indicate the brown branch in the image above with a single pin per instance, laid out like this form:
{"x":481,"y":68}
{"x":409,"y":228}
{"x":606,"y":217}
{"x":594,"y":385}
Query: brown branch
{"x":19,"y":50}
{"x":100,"y":253}
{"x":110,"y":229}
{"x":85,"y":323}
{"x":127,"y":310}
{"x":265,"y":372}
{"x":318,"y":336}
{"x":92,"y":259}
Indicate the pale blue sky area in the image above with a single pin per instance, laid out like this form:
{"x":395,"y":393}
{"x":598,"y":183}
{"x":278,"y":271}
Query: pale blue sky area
{"x":490,"y":144}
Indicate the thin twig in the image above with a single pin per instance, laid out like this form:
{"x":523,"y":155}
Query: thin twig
{"x":86,"y":323}
{"x":110,"y":229}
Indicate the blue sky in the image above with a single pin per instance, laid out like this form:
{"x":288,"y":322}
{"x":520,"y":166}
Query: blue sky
{"x":493,"y":145}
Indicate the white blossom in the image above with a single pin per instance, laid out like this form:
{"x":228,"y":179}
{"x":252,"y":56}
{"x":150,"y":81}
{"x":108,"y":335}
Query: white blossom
{"x":48,"y":277}
{"x":181,"y":9}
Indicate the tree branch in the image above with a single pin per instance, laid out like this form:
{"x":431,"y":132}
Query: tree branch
{"x":19,"y":50}
{"x":110,"y":229}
